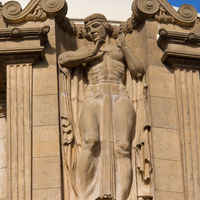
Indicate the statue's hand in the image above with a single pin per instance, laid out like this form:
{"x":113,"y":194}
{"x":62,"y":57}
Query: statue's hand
{"x":96,"y":48}
{"x":95,"y":57}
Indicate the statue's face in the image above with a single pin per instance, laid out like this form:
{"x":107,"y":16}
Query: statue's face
{"x":96,"y":31}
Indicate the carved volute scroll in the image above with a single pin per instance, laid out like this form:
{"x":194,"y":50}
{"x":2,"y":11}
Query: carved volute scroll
{"x":162,"y":11}
{"x":36,"y":10}
{"x":186,"y":15}
{"x":145,"y":8}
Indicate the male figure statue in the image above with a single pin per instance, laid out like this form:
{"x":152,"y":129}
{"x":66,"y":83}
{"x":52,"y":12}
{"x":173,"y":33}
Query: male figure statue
{"x":107,"y":118}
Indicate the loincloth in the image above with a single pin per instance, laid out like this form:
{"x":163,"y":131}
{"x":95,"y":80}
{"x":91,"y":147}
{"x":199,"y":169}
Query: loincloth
{"x":100,"y":89}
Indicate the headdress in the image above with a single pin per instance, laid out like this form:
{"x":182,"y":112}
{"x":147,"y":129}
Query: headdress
{"x":97,"y":17}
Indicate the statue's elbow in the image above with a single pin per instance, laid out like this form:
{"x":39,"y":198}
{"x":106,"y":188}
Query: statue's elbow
{"x":138,"y":71}
{"x":141,"y":74}
{"x":64,"y":61}
{"x":61,"y":59}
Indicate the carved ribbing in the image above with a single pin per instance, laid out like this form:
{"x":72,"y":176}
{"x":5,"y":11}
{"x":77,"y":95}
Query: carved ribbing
{"x":19,"y":100}
{"x":187,"y":87}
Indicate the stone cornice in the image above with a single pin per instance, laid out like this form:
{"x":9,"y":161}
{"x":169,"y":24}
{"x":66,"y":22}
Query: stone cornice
{"x":180,"y":48}
{"x":17,"y":34}
{"x":182,"y":59}
{"x":20,"y":53}
{"x":36,"y":10}
{"x":177,"y":37}
{"x":163,"y":12}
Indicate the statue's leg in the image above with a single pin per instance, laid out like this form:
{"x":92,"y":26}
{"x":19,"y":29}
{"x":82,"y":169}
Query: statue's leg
{"x":123,"y":116}
{"x":90,"y":149}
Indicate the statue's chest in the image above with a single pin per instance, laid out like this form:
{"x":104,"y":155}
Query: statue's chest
{"x":111,"y":64}
{"x":112,"y":53}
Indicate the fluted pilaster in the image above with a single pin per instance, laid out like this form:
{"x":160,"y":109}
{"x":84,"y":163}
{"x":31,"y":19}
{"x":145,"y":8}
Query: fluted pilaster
{"x":19,"y":112}
{"x":188,"y":101}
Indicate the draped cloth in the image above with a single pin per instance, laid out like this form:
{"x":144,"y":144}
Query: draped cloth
{"x":141,"y":146}
{"x":72,"y":89}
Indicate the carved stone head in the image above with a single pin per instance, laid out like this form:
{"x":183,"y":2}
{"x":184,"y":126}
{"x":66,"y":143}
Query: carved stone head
{"x":97,"y":27}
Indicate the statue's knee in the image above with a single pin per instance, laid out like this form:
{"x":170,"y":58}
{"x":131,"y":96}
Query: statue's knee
{"x":91,"y":143}
{"x":122,"y":148}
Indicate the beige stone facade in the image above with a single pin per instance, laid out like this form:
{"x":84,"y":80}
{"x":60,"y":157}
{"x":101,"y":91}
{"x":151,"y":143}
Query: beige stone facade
{"x":43,"y":92}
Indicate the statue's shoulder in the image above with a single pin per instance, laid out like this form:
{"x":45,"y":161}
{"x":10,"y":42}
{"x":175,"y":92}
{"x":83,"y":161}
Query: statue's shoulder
{"x":110,"y":48}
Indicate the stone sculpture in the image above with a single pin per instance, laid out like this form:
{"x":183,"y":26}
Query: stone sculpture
{"x":95,"y":138}
{"x":99,"y":126}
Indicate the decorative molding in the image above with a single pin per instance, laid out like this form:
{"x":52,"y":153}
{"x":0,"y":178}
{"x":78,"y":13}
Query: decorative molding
{"x":163,"y":12}
{"x":25,"y":34}
{"x":36,"y":10}
{"x":177,"y":37}
{"x":163,"y":16}
{"x":180,"y":48}
{"x":185,"y":59}
{"x":186,"y":15}
{"x":22,"y":55}
{"x":37,"y":14}
{"x":51,"y":7}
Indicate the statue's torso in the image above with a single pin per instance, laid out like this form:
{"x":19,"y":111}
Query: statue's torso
{"x":110,"y":68}
{"x":106,"y":75}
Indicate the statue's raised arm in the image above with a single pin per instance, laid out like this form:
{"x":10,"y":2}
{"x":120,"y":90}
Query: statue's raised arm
{"x":83,"y":55}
